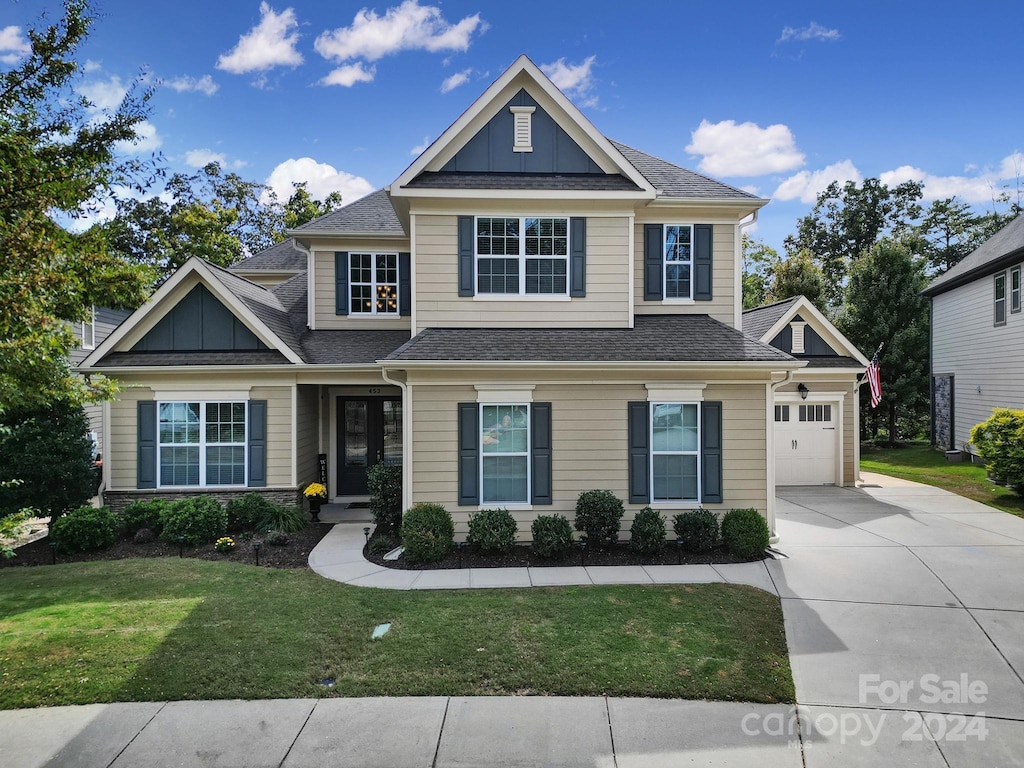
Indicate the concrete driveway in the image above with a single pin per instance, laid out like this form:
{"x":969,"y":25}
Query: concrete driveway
{"x":904,"y":611}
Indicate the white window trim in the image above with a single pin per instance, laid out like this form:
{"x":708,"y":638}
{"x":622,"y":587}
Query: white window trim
{"x":202,"y":445}
{"x":664,"y":265}
{"x":1015,"y":293}
{"x":89,"y":324}
{"x":996,"y":301}
{"x":374,"y":285}
{"x":523,"y":295}
{"x":519,"y":505}
{"x":669,"y":503}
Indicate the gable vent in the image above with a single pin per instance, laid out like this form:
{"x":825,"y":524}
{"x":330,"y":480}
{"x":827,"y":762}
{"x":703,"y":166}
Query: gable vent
{"x":798,"y":337}
{"x":522,"y":132}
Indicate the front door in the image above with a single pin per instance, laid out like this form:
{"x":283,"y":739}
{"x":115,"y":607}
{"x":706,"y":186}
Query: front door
{"x":369,"y":432}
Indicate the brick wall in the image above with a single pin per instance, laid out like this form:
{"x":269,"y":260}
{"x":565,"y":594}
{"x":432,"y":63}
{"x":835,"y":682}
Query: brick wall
{"x":118,"y":500}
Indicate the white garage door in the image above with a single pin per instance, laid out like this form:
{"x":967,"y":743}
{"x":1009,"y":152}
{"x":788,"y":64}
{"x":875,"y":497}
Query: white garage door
{"x":805,"y":444}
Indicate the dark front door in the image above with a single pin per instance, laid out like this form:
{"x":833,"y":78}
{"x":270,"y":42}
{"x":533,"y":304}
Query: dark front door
{"x":369,"y":432}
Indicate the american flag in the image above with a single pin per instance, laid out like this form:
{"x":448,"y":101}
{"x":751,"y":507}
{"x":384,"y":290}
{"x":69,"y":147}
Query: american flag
{"x":874,"y":374}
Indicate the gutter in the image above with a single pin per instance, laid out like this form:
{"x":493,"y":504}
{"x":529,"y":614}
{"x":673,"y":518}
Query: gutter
{"x":770,"y":450}
{"x":310,"y":283}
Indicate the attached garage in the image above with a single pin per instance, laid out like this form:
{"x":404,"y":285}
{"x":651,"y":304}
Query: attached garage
{"x":806,"y":443}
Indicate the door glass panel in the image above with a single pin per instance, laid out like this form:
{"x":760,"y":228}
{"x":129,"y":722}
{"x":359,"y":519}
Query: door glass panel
{"x":392,"y":432}
{"x":355,"y":433}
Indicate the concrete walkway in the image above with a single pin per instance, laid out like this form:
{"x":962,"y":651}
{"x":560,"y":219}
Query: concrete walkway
{"x":904,"y":612}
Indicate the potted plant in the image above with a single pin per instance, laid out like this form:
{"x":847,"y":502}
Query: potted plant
{"x":316,"y":494}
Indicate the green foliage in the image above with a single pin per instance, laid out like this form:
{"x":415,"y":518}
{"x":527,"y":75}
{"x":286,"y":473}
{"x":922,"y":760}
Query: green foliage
{"x":698,"y":529}
{"x":199,"y":519}
{"x":144,"y":536}
{"x":428,"y":533}
{"x":142,"y":514}
{"x":381,"y":545}
{"x":492,"y":530}
{"x":759,"y":264}
{"x":283,"y":518}
{"x":10,"y":530}
{"x":276,"y":538}
{"x":85,"y":529}
{"x":647,"y":533}
{"x":552,"y":536}
{"x":598,"y":514}
{"x":385,"y":483}
{"x":250,"y":511}
{"x":45,"y":458}
{"x":1000,"y":442}
{"x":798,"y":275}
{"x":224,"y":545}
{"x":745,"y":533}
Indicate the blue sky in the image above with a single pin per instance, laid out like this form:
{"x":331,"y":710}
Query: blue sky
{"x":776,"y":98}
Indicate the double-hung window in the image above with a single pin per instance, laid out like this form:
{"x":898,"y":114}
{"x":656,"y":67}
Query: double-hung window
{"x":201,"y":444}
{"x":999,"y":300}
{"x":505,"y":454}
{"x":675,"y":451}
{"x":373,"y":283}
{"x":678,"y":262}
{"x":1015,"y":290}
{"x":522,"y":255}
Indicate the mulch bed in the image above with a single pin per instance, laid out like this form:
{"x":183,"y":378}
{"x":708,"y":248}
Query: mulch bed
{"x":294,"y":554}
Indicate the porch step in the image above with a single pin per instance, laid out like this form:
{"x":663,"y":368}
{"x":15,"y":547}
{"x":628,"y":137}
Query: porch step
{"x":341,"y":513}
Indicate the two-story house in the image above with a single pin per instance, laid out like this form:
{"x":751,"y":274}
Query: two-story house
{"x":530,"y":310}
{"x":977,"y":337}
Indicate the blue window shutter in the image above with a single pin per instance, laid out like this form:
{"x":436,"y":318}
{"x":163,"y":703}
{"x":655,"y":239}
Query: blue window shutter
{"x":540,"y":453}
{"x":654,"y":255}
{"x":341,"y":282}
{"x":467,"y":237}
{"x":578,"y":257}
{"x":711,"y":451}
{"x":702,"y":237}
{"x":146,"y":466}
{"x":405,"y":284}
{"x":469,"y":454}
{"x":257,"y":443}
{"x":639,"y":453}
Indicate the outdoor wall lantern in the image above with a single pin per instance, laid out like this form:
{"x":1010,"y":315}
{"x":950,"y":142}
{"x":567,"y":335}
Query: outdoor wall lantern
{"x":802,"y":389}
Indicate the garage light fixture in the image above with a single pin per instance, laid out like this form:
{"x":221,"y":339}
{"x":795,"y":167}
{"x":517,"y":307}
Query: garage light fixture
{"x":802,"y":389}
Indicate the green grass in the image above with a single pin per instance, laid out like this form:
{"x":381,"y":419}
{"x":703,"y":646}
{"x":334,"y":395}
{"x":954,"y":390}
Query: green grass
{"x":924,"y":464}
{"x":168,"y":629}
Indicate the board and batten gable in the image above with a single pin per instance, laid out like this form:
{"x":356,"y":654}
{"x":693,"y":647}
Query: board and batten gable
{"x":987,"y":361}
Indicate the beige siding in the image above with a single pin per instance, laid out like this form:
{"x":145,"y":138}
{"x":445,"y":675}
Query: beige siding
{"x":279,"y":432}
{"x":589,"y":423}
{"x":850,"y":438}
{"x":307,"y":435}
{"x":123,"y":438}
{"x":323,"y":289}
{"x":438,"y":303}
{"x":979,"y":355}
{"x":723,"y":273}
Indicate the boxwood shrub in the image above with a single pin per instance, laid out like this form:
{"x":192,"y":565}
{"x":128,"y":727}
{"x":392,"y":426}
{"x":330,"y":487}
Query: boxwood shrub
{"x":428,"y":533}
{"x":697,"y":529}
{"x":552,"y":536}
{"x":199,"y":519}
{"x":492,"y":530}
{"x":745,"y":533}
{"x":385,"y":484}
{"x":1000,"y":442}
{"x":248,"y":512}
{"x":598,"y":515}
{"x":647,"y":533}
{"x":85,"y":529}
{"x":142,"y":514}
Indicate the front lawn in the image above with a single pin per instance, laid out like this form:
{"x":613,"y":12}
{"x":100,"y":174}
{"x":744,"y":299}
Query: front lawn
{"x":924,"y":464}
{"x":169,"y":628}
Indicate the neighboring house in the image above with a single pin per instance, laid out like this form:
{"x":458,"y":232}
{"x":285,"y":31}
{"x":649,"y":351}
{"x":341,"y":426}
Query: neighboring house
{"x":977,"y":337}
{"x":530,"y":310}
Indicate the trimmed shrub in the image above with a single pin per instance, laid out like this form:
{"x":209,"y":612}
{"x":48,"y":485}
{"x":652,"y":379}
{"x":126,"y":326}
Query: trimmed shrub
{"x":598,"y":515}
{"x":142,"y":514}
{"x":428,"y":533}
{"x":492,"y":530}
{"x":199,"y":519}
{"x":745,"y":533}
{"x":385,"y":483}
{"x":288,"y":519}
{"x":647,"y":533}
{"x":144,"y":536}
{"x":85,"y":529}
{"x":1000,"y":442}
{"x":698,"y":529}
{"x":382,"y":545}
{"x":552,"y":536}
{"x":276,"y":538}
{"x":249,"y":511}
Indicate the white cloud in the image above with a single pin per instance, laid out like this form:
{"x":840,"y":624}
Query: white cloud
{"x":13,"y":45}
{"x":350,"y":74}
{"x":976,"y":189}
{"x":91,"y":66}
{"x":200,"y":158}
{"x":806,"y":185}
{"x":185,"y":84}
{"x":454,"y":81}
{"x":419,"y":149}
{"x":407,"y":27}
{"x":814,"y":31}
{"x":745,"y":149}
{"x":574,"y":80}
{"x":269,"y":44}
{"x":321,"y":179}
{"x":147,"y":140}
{"x":104,"y":94}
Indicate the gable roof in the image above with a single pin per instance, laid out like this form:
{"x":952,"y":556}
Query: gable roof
{"x":673,"y":181}
{"x":371,"y":215}
{"x":292,"y":294}
{"x":1002,"y":249}
{"x":757,"y":321}
{"x":766,"y":322}
{"x":280,"y":257}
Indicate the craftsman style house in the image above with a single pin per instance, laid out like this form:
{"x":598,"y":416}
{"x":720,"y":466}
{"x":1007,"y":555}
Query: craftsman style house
{"x":528,"y":311}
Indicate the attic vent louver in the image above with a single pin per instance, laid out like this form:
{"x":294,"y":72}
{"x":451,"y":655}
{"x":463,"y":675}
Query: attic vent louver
{"x":798,"y":337}
{"x":522,"y":132}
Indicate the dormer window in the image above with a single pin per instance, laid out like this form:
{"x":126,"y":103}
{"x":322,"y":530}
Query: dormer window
{"x":522,"y":129}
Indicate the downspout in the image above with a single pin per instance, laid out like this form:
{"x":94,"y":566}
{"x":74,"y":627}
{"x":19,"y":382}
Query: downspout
{"x":310,"y":313}
{"x":770,"y":450}
{"x":738,"y":288}
{"x":406,"y":437}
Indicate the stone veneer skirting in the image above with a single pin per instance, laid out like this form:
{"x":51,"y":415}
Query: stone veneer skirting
{"x":118,"y":500}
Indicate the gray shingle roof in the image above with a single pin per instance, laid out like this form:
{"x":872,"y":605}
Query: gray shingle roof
{"x":822,"y":361}
{"x":241,"y":357}
{"x":292,"y":295}
{"x":758,"y":321}
{"x":672,"y":181}
{"x":589,"y":182}
{"x":282,"y":257}
{"x":350,"y":347}
{"x":373,"y":214}
{"x":1007,"y":243}
{"x":655,"y":338}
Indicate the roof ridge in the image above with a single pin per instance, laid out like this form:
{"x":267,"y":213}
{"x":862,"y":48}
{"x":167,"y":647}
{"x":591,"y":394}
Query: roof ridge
{"x":773,"y":304}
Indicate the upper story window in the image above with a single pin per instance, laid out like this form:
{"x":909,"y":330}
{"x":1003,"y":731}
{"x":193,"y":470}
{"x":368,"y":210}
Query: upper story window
{"x":999,"y":300}
{"x":523,"y":255}
{"x":373,"y":283}
{"x":201,"y":444}
{"x":89,"y":331}
{"x":1015,"y":290}
{"x":678,"y":240}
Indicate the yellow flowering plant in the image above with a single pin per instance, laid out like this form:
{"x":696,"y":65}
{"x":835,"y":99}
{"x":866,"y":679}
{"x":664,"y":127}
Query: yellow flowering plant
{"x":315,"y":490}
{"x":224,"y":544}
